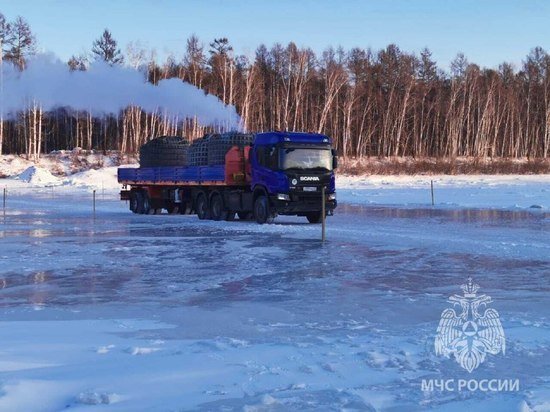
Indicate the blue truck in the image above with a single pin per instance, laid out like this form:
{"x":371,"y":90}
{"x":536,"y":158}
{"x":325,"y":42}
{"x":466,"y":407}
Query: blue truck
{"x":279,"y":173}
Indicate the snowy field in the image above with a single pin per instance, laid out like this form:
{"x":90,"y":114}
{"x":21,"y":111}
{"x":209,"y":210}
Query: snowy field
{"x":125,"y":312}
{"x":461,"y":191}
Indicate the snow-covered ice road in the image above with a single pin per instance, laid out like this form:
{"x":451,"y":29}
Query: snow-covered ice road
{"x":169,"y":313}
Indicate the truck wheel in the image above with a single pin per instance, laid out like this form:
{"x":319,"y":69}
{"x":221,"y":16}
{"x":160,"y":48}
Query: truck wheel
{"x":217,"y":211}
{"x":202,"y":206}
{"x":146,"y":204}
{"x":261,"y":210}
{"x":314,"y":217}
{"x":139,"y":201}
{"x":134,"y":202}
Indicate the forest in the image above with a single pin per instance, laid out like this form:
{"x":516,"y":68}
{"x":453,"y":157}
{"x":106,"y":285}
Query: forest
{"x":373,"y":103}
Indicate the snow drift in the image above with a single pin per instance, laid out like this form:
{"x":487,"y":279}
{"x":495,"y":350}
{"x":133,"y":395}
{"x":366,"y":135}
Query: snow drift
{"x":38,"y":176}
{"x":104,"y":89}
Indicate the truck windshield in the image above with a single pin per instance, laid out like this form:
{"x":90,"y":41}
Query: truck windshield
{"x":306,"y":158}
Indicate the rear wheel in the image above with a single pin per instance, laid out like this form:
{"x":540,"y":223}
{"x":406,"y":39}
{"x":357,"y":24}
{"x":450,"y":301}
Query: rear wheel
{"x":217,"y":211}
{"x":140,"y":199}
{"x":134,"y":202}
{"x":202,"y":206}
{"x":261,"y":210}
{"x":314,"y":217}
{"x":146,"y":204}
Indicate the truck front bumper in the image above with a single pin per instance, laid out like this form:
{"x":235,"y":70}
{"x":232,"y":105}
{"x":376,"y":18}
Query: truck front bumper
{"x":301,"y":204}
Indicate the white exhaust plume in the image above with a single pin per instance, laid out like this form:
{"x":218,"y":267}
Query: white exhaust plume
{"x":101,"y":89}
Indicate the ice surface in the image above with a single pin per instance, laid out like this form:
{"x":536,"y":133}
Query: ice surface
{"x":129,"y":312}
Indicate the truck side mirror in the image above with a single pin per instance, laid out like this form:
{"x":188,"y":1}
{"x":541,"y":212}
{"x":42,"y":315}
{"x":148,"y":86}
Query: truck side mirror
{"x":334,"y":159}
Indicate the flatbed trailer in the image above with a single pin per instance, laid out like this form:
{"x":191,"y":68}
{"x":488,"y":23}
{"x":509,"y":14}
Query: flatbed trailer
{"x":246,"y":185}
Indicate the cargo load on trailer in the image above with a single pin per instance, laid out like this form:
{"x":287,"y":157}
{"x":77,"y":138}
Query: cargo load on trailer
{"x":164,"y":151}
{"x":220,"y":176}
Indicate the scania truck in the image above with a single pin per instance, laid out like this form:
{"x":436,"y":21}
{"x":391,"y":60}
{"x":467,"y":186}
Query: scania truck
{"x":279,"y":173}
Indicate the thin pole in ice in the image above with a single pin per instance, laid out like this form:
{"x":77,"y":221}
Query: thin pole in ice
{"x":432,"y":187}
{"x":323,"y":218}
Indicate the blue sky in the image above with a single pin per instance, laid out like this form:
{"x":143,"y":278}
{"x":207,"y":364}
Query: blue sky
{"x":487,"y":31}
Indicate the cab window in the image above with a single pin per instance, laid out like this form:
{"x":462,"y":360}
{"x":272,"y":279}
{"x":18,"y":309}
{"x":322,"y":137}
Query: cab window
{"x":268,"y":156}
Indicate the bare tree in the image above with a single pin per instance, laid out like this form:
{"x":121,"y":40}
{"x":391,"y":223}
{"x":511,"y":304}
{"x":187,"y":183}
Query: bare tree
{"x":194,"y":61}
{"x":221,"y":61}
{"x":136,"y":54}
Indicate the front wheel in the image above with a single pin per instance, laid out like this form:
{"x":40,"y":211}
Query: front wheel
{"x":261,"y":210}
{"x":314,"y":217}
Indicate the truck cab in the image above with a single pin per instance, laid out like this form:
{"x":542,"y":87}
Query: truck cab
{"x":289,"y":171}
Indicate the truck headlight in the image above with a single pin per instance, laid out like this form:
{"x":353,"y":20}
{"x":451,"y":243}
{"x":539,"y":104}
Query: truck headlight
{"x":331,"y":196}
{"x":283,"y":196}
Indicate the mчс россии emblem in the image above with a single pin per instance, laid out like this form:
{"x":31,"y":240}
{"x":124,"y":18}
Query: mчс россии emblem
{"x":469,"y":335}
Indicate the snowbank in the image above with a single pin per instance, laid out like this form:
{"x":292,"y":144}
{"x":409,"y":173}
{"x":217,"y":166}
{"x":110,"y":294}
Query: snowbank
{"x":63,"y":162}
{"x":38,"y":176}
{"x":105,"y":178}
{"x":64,"y":168}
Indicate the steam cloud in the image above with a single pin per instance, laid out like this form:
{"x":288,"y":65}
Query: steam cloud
{"x":105,"y":89}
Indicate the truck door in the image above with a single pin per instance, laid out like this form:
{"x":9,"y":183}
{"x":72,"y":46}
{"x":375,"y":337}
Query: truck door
{"x":265,"y":165}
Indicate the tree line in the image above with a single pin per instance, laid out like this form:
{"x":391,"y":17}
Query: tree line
{"x":381,"y":103}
